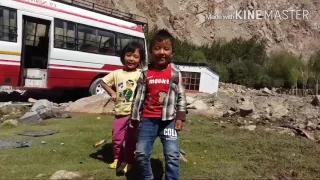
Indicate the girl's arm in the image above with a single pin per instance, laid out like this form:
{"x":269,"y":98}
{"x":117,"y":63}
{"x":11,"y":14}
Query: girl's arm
{"x":107,"y":88}
{"x":107,"y":82}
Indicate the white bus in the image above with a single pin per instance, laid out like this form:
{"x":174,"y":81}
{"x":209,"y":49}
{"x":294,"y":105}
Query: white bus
{"x":63,"y":44}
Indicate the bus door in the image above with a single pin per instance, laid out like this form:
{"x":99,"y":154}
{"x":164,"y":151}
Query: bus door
{"x":35,"y":50}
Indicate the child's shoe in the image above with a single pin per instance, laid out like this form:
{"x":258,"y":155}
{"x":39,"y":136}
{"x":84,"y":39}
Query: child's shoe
{"x":114,"y":164}
{"x":124,"y":168}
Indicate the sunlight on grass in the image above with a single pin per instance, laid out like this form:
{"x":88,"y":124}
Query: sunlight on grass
{"x":212,"y":151}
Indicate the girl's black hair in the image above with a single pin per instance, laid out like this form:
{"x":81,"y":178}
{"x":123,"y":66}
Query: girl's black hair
{"x":131,"y":47}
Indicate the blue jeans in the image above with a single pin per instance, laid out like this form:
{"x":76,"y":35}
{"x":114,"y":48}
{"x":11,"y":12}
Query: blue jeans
{"x":149,"y":130}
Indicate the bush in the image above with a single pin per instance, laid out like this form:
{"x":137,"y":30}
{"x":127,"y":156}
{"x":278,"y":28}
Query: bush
{"x":222,"y":70}
{"x":198,"y":57}
{"x":285,"y":66}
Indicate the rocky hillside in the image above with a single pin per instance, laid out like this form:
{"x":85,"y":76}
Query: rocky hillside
{"x":235,"y":104}
{"x":186,"y":19}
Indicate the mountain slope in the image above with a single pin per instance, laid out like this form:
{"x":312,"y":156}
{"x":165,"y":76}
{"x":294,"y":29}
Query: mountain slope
{"x":186,"y":19}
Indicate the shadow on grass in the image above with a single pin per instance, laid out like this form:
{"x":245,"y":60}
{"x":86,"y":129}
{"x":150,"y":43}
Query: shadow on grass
{"x":157,"y":170}
{"x":105,"y":154}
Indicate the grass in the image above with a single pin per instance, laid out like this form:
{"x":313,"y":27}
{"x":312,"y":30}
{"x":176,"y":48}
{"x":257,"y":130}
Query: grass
{"x":214,"y":152}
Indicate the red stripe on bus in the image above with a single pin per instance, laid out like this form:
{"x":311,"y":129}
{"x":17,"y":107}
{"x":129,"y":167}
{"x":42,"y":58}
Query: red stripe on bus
{"x":137,"y":28}
{"x":105,"y":67}
{"x":6,"y":60}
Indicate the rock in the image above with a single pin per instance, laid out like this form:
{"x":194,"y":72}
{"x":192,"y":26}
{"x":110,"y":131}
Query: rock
{"x":312,"y":125}
{"x":207,"y":113}
{"x":12,"y":112}
{"x":246,"y":109}
{"x":286,"y":131}
{"x":30,"y":118}
{"x":234,"y":108}
{"x":301,"y":126}
{"x":190,"y":100}
{"x":3,"y":104}
{"x":279,"y":111}
{"x":41,"y":104}
{"x":316,"y":101}
{"x":198,"y":104}
{"x":267,"y":111}
{"x":31,"y":100}
{"x":250,"y":127}
{"x":255,"y":116}
{"x":99,"y":103}
{"x":40,"y":175}
{"x":266,"y":91}
{"x":229,"y":113}
{"x":10,"y":122}
{"x":63,"y":104}
{"x":62,"y":174}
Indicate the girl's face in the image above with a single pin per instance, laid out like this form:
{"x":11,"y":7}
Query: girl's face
{"x":132,"y":60}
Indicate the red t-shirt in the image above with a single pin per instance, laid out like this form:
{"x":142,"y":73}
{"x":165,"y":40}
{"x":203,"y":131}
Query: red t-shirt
{"x":157,"y":90}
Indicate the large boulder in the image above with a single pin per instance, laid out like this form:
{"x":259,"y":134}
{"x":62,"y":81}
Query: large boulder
{"x":41,"y":104}
{"x":246,"y":108}
{"x":100,"y":103}
{"x":190,"y":100}
{"x":279,"y":111}
{"x":63,"y":174}
{"x":30,"y":118}
{"x":198,"y":104}
{"x":266,"y":91}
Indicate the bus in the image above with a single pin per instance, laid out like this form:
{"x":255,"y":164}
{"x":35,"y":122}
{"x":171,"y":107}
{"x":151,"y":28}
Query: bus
{"x":46,"y":44}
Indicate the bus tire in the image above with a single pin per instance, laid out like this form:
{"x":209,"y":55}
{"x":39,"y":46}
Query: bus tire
{"x":96,"y":88}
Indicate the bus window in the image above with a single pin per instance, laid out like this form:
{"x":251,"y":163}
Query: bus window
{"x":64,"y":34}
{"x":106,"y":42}
{"x":87,"y":39}
{"x":122,"y":41}
{"x":8,"y":24}
{"x":33,"y":32}
{"x":139,"y":40}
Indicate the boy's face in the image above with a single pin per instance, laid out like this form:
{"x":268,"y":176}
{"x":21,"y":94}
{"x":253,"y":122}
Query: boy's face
{"x":162,"y":52}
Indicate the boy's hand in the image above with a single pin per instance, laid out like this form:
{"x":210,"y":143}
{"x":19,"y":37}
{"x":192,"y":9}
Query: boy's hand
{"x":179,"y":125}
{"x":133,"y":123}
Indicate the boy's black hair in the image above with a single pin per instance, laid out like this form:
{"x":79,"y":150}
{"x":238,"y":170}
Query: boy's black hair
{"x":161,"y":35}
{"x":131,"y":47}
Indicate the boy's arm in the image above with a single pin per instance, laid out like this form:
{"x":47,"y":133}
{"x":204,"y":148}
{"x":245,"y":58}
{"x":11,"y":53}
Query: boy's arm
{"x":181,"y":101}
{"x":107,"y":82}
{"x":135,"y":109}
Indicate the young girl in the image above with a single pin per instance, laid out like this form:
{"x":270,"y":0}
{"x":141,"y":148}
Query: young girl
{"x":124,"y":82}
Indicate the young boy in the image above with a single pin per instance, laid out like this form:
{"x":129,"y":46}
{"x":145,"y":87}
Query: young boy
{"x":159,"y":107}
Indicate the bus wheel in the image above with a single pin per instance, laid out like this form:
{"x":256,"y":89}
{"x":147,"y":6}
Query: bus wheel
{"x":96,"y":88}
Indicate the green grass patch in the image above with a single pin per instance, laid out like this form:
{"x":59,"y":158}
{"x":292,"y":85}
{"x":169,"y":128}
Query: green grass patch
{"x":213,"y":152}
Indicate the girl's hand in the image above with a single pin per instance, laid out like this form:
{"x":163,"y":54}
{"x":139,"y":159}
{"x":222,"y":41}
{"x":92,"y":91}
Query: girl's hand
{"x":133,"y":123}
{"x":114,"y":96}
{"x":179,"y":125}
